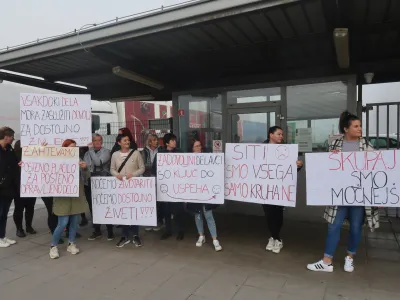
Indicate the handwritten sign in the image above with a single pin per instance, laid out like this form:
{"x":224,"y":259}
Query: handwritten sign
{"x":53,"y":118}
{"x":261,"y":173}
{"x":124,"y":202}
{"x":190,"y":177}
{"x":353,"y":178}
{"x":50,"y":172}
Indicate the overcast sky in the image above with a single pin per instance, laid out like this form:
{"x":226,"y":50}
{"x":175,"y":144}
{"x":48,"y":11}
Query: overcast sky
{"x":26,"y":20}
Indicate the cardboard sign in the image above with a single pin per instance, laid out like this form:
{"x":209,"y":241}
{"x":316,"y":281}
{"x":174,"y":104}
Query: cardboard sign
{"x":261,"y":173}
{"x":353,"y":178}
{"x":53,"y":118}
{"x":50,"y":172}
{"x":190,"y":177}
{"x":124,"y":202}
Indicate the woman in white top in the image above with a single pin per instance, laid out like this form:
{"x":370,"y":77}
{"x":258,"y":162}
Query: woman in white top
{"x":127,"y":163}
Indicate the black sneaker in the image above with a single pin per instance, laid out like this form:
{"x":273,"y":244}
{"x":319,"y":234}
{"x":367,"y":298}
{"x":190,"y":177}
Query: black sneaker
{"x":110,"y":236}
{"x":180,"y":236}
{"x":30,"y":230}
{"x":166,"y":235}
{"x":21,"y":233}
{"x":137,"y":241}
{"x":94,"y":236}
{"x":122,"y":242}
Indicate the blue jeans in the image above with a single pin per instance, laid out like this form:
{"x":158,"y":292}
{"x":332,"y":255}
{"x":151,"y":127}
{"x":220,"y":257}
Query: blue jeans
{"x":128,"y":229}
{"x":208,"y":214}
{"x":62,"y":223}
{"x":355,"y":214}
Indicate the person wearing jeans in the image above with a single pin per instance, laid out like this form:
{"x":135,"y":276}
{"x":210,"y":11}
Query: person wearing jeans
{"x":200,"y":209}
{"x":356,"y":216}
{"x":68,"y":210}
{"x":8,"y":181}
{"x":351,"y":141}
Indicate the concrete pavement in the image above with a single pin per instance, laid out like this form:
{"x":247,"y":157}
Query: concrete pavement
{"x":180,"y":271}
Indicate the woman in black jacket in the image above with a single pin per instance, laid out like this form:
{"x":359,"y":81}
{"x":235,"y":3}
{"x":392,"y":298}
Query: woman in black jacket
{"x":274,"y":213}
{"x":200,"y":210}
{"x":21,"y":204}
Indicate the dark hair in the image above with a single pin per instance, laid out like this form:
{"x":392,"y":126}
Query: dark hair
{"x":126,"y":132}
{"x":192,"y":142}
{"x":272,"y":130}
{"x":68,"y":142}
{"x":133,"y":145}
{"x":168,"y":137}
{"x":345,"y":120}
{"x":6,"y":131}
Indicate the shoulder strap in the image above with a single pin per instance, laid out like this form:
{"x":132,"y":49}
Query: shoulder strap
{"x":125,"y":161}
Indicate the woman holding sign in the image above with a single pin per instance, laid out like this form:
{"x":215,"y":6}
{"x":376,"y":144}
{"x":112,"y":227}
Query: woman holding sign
{"x":68,"y":210}
{"x":201,"y":210}
{"x":127,"y":163}
{"x":352,"y":140}
{"x":274,"y":213}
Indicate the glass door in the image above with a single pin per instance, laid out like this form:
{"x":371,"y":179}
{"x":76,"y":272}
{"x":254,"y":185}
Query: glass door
{"x":250,"y":125}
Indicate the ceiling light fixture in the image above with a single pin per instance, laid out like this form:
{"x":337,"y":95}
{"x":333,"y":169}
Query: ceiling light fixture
{"x":137,"y":77}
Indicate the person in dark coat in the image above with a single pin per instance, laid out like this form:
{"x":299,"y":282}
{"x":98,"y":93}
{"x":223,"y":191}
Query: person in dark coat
{"x":171,"y":208}
{"x":8,"y":181}
{"x":22,"y":204}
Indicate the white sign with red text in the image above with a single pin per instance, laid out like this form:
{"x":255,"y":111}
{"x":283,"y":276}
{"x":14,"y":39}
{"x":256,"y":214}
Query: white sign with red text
{"x":353,"y":178}
{"x":50,"y":171}
{"x":190,"y":177}
{"x":261,"y":173}
{"x":124,"y":202}
{"x":53,"y":118}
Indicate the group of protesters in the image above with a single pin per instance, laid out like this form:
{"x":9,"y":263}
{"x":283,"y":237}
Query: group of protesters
{"x":126,"y":161}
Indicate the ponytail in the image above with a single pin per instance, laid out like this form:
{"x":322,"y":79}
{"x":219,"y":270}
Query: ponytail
{"x":345,"y":120}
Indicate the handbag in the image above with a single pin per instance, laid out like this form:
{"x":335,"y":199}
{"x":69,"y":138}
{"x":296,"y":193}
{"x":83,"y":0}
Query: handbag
{"x":125,"y":161}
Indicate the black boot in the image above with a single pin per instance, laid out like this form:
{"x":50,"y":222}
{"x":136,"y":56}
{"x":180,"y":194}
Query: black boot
{"x":30,"y":230}
{"x":21,"y":233}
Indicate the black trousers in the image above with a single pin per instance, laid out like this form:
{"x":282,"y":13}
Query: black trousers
{"x":52,"y":219}
{"x":274,"y":216}
{"x":176,"y":209}
{"x":88,"y":194}
{"x":5,"y":203}
{"x":21,"y":204}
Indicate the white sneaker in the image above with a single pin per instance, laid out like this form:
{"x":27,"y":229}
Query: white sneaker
{"x":10,"y":241}
{"x":54,"y":253}
{"x":148,"y":229}
{"x":348,"y":264}
{"x":320,"y":266}
{"x":270,"y":245}
{"x":278,"y":245}
{"x":73,"y":249}
{"x":217,"y":246}
{"x":4,"y":243}
{"x":201,"y":241}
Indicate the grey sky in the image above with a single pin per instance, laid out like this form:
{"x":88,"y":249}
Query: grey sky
{"x":26,"y":20}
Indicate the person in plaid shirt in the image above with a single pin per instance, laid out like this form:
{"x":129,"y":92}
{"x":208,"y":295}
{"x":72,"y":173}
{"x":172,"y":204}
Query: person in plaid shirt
{"x":352,"y":140}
